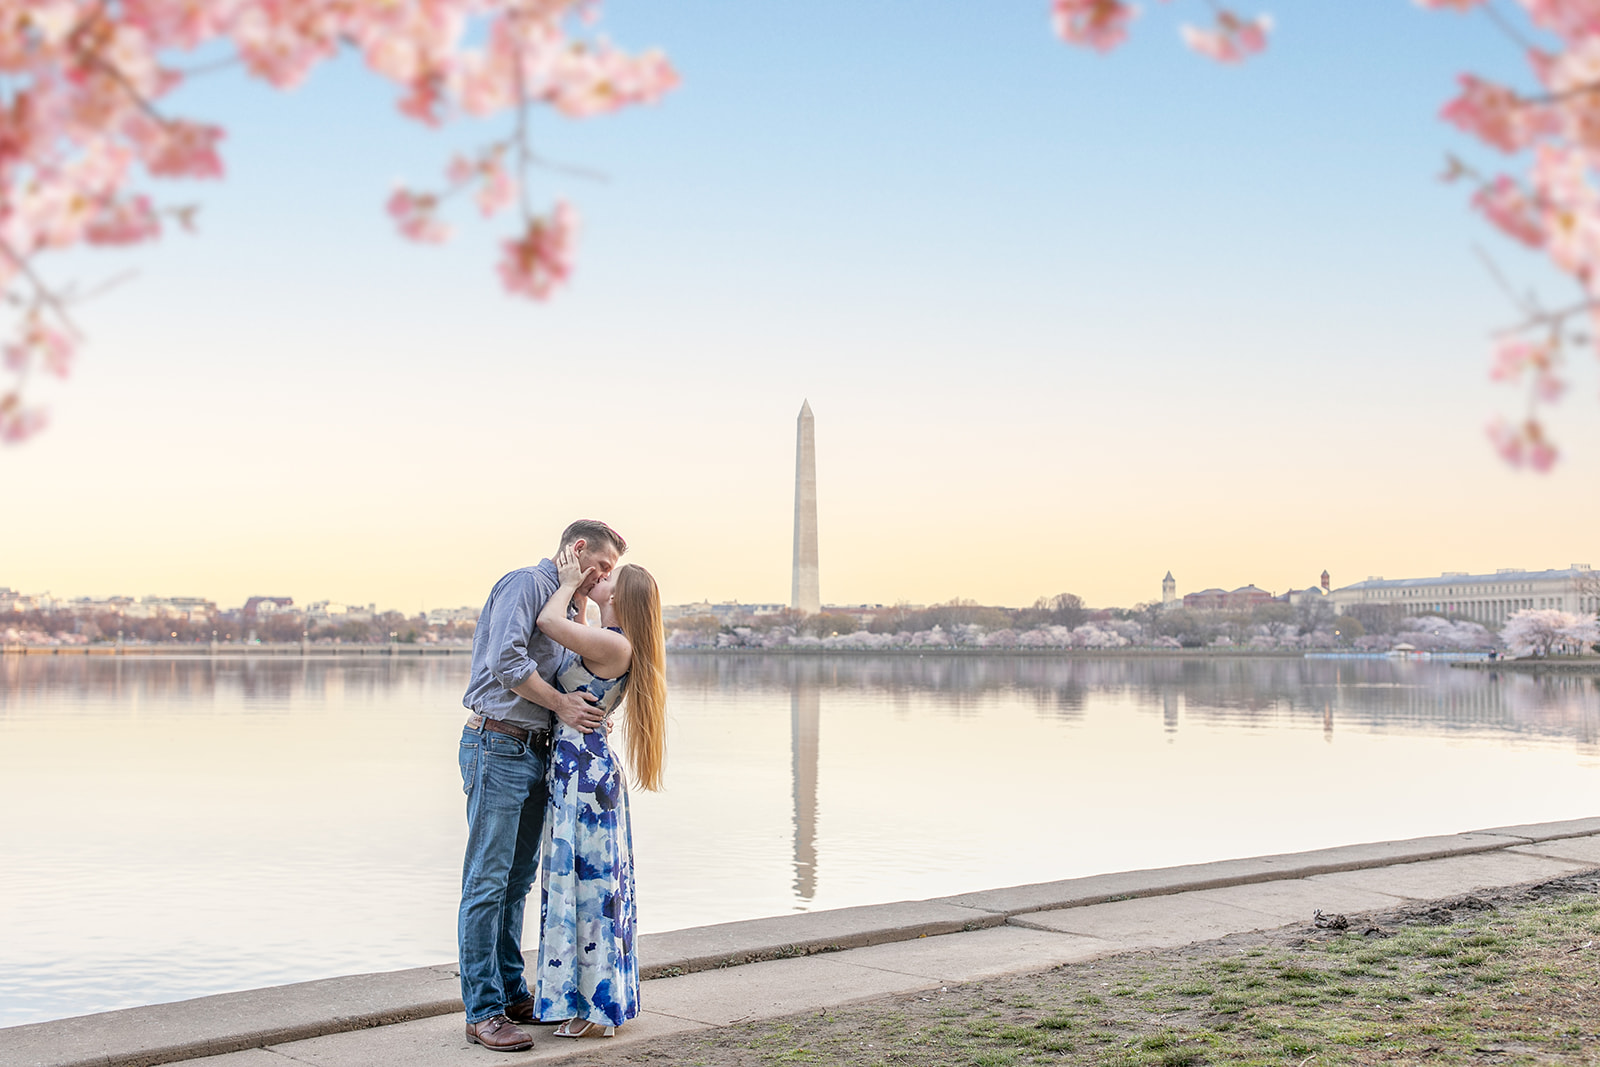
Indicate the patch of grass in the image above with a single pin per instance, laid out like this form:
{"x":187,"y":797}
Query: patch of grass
{"x":1294,"y":972}
{"x":1433,"y":993}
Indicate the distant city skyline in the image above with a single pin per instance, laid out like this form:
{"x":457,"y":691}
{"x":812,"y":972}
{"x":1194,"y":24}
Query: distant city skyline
{"x":1167,"y":592}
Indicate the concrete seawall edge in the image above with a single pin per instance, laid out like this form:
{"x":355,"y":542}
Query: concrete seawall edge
{"x":230,"y":1022}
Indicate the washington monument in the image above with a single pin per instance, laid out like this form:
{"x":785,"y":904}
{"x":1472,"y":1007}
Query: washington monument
{"x":805,"y":595}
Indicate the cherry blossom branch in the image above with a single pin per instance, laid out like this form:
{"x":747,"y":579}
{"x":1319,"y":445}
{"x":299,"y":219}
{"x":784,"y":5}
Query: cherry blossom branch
{"x":81,"y":120}
{"x":570,"y":169}
{"x":116,"y":75}
{"x":1528,"y":305}
{"x":1500,"y":22}
{"x":522,"y":147}
{"x":215,"y":67}
{"x":42,"y":292}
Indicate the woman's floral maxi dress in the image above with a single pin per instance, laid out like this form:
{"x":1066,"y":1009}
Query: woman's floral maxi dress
{"x":587,"y":966}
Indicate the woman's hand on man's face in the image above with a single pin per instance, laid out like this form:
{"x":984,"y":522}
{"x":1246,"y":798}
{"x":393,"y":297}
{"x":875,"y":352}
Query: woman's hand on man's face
{"x":571,"y":571}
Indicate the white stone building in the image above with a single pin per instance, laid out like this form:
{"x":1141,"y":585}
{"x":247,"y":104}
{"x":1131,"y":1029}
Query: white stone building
{"x":450,"y":616}
{"x":1487,"y":598}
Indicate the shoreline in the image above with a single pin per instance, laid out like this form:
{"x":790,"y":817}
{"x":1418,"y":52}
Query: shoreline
{"x":1534,"y":666}
{"x":230,"y":651}
{"x":696,"y":961}
{"x":1031,"y":653}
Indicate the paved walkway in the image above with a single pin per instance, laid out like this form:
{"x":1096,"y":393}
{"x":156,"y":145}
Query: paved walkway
{"x":719,"y":975}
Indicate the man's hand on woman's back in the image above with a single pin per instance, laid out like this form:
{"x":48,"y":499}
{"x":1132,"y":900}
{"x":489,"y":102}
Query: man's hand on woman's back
{"x":577,"y":710}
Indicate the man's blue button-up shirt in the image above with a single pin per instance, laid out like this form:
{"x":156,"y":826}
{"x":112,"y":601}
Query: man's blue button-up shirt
{"x":508,"y":647}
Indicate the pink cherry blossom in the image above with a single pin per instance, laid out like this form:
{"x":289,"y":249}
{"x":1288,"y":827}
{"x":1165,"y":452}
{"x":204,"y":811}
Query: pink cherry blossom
{"x":1538,"y":361}
{"x":1570,"y":209}
{"x":1524,"y":444}
{"x":541,"y":258}
{"x":498,"y":188}
{"x":1568,"y":18}
{"x":1542,"y":454}
{"x":1100,"y":24}
{"x":1507,"y":441}
{"x":1506,"y":205}
{"x":19,"y":422}
{"x":1232,"y":39}
{"x":1497,"y":115}
{"x":185,"y":150}
{"x":41,"y":343}
{"x":1516,"y":355}
{"x":417,"y":217}
{"x":1548,"y":386}
{"x":121,"y":222}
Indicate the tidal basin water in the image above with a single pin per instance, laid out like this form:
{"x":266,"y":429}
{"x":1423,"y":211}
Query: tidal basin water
{"x":182,"y":826}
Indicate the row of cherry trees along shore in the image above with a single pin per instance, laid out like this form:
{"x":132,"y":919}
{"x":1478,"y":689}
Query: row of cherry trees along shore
{"x":1064,"y":623}
{"x":228,"y":627}
{"x":1061,"y":622}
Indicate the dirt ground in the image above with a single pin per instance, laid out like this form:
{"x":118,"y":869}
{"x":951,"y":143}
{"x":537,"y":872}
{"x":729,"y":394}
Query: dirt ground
{"x":1506,"y":978}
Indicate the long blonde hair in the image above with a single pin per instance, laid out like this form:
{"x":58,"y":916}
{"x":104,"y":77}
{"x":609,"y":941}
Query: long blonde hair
{"x":638,"y":604}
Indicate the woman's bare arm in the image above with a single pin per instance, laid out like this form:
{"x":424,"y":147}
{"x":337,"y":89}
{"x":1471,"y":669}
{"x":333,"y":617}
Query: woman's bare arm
{"x":600,"y":648}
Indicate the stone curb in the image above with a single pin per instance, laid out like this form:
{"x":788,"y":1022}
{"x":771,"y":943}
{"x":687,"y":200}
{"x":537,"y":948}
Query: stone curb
{"x":1222,"y":874}
{"x":705,"y":948}
{"x":230,"y":1022}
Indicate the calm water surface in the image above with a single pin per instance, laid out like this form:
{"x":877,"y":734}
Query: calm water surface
{"x":170,"y":828}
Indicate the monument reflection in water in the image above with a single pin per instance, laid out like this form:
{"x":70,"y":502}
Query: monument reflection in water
{"x":805,"y":714}
{"x":173,"y":827}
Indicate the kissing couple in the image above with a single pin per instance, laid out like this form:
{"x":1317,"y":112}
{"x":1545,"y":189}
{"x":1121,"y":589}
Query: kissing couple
{"x":547,"y":797}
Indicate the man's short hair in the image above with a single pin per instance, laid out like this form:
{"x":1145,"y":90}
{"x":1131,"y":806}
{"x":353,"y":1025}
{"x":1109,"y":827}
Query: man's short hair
{"x":592,"y":531}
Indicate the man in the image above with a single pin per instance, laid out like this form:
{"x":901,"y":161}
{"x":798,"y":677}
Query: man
{"x":505,"y":747}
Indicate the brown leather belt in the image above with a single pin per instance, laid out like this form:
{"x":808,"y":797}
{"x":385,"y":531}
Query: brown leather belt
{"x":498,"y":727}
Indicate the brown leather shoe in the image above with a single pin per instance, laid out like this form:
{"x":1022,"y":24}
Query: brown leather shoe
{"x":499,"y":1033}
{"x":524,"y":1011}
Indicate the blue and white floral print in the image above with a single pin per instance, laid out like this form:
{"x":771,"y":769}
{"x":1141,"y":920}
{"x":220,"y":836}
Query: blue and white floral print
{"x":587,"y":966}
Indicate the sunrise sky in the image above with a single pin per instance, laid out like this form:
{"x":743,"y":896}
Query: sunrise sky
{"x":1065,"y":321}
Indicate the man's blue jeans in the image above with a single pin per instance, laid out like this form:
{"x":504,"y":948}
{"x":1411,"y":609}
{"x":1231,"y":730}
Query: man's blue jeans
{"x":504,"y":782}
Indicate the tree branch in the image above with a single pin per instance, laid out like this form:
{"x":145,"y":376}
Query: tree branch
{"x":42,"y":291}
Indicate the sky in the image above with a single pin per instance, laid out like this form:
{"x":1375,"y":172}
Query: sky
{"x":1066,"y":322}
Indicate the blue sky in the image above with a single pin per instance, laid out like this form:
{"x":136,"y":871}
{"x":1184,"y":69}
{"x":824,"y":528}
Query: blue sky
{"x":1067,"y":321}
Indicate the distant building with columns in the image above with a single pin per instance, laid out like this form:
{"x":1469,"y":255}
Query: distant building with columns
{"x":1245,"y":598}
{"x":1486,"y":598}
{"x":1241,"y":599}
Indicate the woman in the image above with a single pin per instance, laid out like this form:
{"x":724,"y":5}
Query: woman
{"x":588,"y":974}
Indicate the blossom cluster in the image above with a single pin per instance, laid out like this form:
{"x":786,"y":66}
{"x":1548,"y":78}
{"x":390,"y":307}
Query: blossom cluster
{"x":1551,"y":126}
{"x":1543,"y":631}
{"x":83,"y":123}
{"x":1103,"y":25}
{"x":12,"y":635}
{"x":1107,"y":634}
